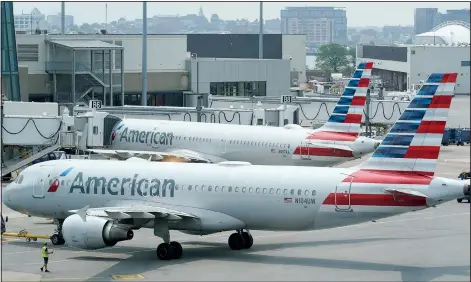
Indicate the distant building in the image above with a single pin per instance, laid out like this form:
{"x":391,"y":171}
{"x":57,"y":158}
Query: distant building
{"x":28,"y":23}
{"x":217,"y":64}
{"x":54,"y":21}
{"x":321,"y":25}
{"x":425,"y":19}
{"x":457,"y":15}
{"x":444,"y":49}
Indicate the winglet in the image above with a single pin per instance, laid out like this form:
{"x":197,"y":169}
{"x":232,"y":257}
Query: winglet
{"x":83,"y":212}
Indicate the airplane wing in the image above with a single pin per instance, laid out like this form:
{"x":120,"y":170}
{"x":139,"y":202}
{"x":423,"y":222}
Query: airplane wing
{"x":174,"y":155}
{"x":332,"y":146}
{"x":139,"y":211}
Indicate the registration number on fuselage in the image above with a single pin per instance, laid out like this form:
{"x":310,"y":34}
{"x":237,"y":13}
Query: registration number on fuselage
{"x":305,"y":201}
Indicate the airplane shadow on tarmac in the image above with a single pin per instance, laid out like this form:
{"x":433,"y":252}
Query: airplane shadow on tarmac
{"x":144,"y":259}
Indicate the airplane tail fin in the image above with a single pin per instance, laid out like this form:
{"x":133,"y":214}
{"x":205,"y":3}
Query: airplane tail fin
{"x":413,"y":143}
{"x":347,"y":114}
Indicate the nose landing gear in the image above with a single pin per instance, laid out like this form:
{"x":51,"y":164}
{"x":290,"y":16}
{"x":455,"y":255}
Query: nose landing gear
{"x":58,"y":239}
{"x":240,"y":240}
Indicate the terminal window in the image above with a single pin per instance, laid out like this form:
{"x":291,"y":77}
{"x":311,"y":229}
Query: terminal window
{"x":241,"y":89}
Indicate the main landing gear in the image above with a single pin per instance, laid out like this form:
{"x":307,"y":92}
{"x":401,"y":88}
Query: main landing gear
{"x":168,"y":251}
{"x":240,"y":240}
{"x":57,"y":238}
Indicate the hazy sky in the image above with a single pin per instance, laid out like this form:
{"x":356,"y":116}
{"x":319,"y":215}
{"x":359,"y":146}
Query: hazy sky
{"x":358,"y":14}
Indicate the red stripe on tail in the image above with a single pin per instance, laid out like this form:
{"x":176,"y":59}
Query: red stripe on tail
{"x":364,"y":82}
{"x":449,"y":78}
{"x":358,"y":101}
{"x":440,"y":102}
{"x":353,"y":118}
{"x":422,"y":152}
{"x":432,"y":126}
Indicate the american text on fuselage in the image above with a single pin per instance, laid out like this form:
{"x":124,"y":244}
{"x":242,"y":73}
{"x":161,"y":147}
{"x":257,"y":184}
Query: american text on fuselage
{"x":146,"y":137}
{"x":124,"y":186}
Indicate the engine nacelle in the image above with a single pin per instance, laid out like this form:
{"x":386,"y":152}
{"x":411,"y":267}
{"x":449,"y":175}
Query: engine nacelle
{"x":94,"y":233}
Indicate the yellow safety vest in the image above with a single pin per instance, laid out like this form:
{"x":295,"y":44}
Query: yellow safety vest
{"x":44,"y":253}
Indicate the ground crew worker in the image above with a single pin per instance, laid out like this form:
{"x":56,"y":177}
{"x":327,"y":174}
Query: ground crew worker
{"x":45,"y":255}
{"x":463,"y":175}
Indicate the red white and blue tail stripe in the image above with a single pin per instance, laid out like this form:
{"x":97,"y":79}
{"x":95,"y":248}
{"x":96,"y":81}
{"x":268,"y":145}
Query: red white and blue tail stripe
{"x":413,"y":143}
{"x":347,"y":114}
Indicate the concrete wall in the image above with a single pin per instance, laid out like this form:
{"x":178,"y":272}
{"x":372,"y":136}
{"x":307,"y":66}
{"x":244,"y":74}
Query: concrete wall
{"x":274,"y":72}
{"x":428,"y":59}
{"x":294,"y":47}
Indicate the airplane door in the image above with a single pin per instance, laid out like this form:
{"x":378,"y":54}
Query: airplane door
{"x":305,"y":151}
{"x":222,"y":146}
{"x":41,"y":183}
{"x":342,"y":196}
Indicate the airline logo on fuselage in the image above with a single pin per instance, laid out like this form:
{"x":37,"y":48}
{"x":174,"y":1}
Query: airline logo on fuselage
{"x":124,"y":186}
{"x":146,"y":137}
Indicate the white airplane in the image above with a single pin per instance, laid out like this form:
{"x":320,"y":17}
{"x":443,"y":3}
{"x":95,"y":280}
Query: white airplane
{"x":335,"y":142}
{"x":98,"y":203}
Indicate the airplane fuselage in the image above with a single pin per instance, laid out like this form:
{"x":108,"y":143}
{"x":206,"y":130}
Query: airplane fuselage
{"x":258,"y":145}
{"x":263,"y":197}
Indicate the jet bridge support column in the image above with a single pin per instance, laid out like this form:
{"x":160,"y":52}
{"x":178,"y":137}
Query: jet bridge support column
{"x":73,"y":78}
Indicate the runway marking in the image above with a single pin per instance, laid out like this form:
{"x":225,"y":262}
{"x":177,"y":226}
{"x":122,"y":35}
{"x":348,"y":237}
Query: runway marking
{"x":127,"y":276}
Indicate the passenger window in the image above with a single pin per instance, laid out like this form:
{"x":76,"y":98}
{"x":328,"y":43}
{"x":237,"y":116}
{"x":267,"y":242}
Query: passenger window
{"x":292,"y":191}
{"x":210,"y":188}
{"x":243,"y":190}
{"x":306,"y":192}
{"x":196,"y":188}
{"x":272,"y":190}
{"x":285,"y":191}
{"x":257,"y":190}
{"x":230,"y":189}
{"x":176,"y":187}
{"x":250,"y":190}
{"x":300,"y":192}
{"x":264,"y":190}
{"x":313,"y":192}
{"x":216,"y":189}
{"x":278,"y":191}
{"x":62,"y":182}
{"x":222,"y":189}
{"x":236,"y":189}
{"x":202,"y":188}
{"x":18,"y":181}
{"x":189,"y":187}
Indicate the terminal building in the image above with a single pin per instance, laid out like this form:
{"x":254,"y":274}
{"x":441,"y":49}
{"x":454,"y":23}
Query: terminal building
{"x":77,"y":68}
{"x":444,"y":49}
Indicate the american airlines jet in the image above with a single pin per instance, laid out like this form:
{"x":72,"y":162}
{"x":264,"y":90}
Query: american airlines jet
{"x":335,"y":142}
{"x":98,"y":203}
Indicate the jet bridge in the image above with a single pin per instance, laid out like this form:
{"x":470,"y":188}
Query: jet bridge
{"x":30,"y":131}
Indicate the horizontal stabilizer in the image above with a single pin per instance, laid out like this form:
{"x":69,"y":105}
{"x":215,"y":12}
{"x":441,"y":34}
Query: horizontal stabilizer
{"x":409,"y":192}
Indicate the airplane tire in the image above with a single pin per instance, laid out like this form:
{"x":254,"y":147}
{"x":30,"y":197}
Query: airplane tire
{"x":56,"y":239}
{"x":459,"y":200}
{"x":177,"y":250}
{"x":164,"y":251}
{"x":248,"y":240}
{"x":236,"y":241}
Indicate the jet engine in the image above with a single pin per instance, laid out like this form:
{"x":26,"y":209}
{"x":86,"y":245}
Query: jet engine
{"x":94,"y":233}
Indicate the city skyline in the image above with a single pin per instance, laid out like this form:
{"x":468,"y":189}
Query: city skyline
{"x":358,"y":14}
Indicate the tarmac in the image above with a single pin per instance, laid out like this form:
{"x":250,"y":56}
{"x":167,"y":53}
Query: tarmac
{"x":428,"y":245}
